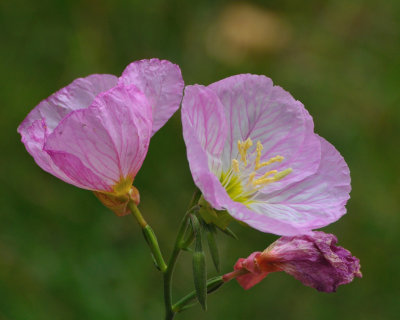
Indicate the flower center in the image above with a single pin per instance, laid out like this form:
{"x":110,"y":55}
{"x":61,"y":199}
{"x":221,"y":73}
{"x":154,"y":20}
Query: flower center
{"x":243,"y":179}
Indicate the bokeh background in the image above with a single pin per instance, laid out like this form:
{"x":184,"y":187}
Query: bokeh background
{"x":64,"y":256}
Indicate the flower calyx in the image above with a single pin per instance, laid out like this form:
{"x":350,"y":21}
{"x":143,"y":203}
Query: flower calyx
{"x":221,"y":218}
{"x":118,"y":202}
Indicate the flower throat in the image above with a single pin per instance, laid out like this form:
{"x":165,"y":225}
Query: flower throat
{"x":240,"y":180}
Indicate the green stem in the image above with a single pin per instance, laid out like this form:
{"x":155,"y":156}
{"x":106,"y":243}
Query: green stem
{"x":171,"y":266}
{"x":137,"y":214}
{"x":149,"y":235}
{"x":169,"y":313}
{"x":212,"y":285}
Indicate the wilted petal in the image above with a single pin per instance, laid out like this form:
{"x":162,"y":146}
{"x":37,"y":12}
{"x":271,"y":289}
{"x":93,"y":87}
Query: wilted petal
{"x":313,"y":259}
{"x":42,"y":120}
{"x":311,"y":203}
{"x":253,"y":275}
{"x":105,"y":144}
{"x":161,"y":81}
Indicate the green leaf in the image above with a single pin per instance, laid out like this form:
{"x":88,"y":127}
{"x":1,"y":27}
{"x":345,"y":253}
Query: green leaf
{"x":197,"y":232}
{"x":212,"y":246}
{"x":200,"y":278}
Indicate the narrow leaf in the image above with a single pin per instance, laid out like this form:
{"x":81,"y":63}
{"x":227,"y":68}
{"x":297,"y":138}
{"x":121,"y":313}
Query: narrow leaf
{"x":199,"y":276}
{"x":212,"y":246}
{"x":197,"y":233}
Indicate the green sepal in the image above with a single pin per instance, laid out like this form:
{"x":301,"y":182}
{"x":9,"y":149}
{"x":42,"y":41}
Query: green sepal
{"x":200,"y":278}
{"x":212,"y":246}
{"x":229,"y":233}
{"x":197,"y":232}
{"x":184,"y":245}
{"x":218,"y":217}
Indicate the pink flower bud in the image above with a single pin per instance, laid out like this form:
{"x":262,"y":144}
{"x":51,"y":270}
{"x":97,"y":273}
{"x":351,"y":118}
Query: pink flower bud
{"x":314,"y":259}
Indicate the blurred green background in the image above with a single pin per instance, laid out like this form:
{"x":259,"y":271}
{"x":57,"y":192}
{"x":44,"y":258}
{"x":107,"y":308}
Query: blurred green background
{"x":64,"y":256}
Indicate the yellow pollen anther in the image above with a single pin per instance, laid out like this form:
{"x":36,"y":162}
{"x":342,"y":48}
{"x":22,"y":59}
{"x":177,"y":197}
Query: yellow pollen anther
{"x":243,"y":147}
{"x":266,"y":163}
{"x":258,"y":157}
{"x":235,"y":165}
{"x":264,"y":178}
{"x":251,"y":177}
{"x":264,"y":181}
{"x":233,"y":180}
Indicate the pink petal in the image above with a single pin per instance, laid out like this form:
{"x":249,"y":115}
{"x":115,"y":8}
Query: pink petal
{"x":42,"y":120}
{"x":204,"y":131}
{"x":256,"y":109}
{"x":98,"y":146}
{"x":311,"y":203}
{"x":255,"y":216}
{"x":161,"y":81}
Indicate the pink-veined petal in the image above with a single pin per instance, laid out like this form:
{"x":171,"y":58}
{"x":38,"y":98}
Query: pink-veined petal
{"x":42,"y":120}
{"x":99,"y":146}
{"x":263,"y":222}
{"x":161,"y":81}
{"x":311,"y":203}
{"x":204,"y":131}
{"x":258,"y":110}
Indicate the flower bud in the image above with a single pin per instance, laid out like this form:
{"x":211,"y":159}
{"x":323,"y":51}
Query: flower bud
{"x":313,"y":259}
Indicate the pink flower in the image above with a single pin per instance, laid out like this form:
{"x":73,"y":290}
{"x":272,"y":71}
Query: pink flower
{"x":95,"y":132}
{"x":252,"y":151}
{"x":313,"y":259}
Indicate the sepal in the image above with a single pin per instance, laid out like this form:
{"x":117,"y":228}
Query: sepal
{"x":118,"y":203}
{"x":221,"y":218}
{"x":212,"y":246}
{"x":200,"y":277}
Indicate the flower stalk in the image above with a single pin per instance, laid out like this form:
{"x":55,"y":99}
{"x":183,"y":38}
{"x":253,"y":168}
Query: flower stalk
{"x":149,"y":236}
{"x":179,"y":244}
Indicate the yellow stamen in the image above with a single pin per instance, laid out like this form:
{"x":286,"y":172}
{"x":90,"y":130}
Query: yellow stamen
{"x":243,"y":147}
{"x":251,"y":177}
{"x":282,"y":174}
{"x":241,"y":191}
{"x":263,"y":182}
{"x":258,"y":157}
{"x":266,"y":163}
{"x":264,"y":178}
{"x":235,"y":165}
